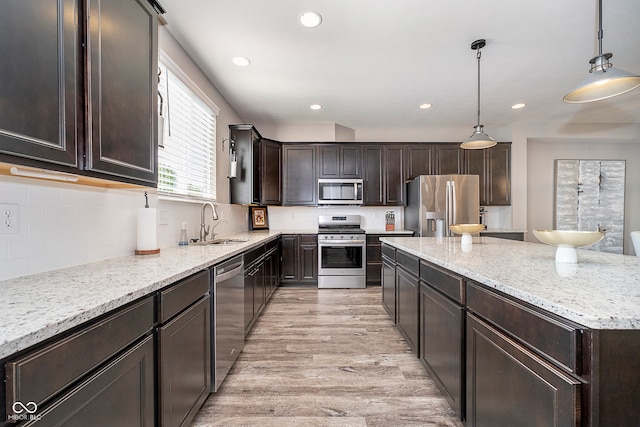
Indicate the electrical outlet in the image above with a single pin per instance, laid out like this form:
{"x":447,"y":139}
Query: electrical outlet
{"x":9,"y":216}
{"x":163,"y":217}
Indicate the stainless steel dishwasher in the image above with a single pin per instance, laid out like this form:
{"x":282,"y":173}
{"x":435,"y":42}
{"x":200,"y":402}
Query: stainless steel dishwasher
{"x":228,"y":318}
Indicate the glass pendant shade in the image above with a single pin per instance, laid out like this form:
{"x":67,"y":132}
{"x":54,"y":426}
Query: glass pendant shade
{"x":478,"y":140}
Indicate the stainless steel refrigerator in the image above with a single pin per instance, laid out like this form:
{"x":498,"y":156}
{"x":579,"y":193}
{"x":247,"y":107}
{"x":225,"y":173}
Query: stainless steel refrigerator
{"x":436,"y":201}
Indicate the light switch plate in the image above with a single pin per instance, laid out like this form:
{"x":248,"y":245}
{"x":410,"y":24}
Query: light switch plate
{"x":9,"y":216}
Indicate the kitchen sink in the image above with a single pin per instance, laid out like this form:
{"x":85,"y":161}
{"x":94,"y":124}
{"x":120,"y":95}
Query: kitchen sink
{"x":220,"y":242}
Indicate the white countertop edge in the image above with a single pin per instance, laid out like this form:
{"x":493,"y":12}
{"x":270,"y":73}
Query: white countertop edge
{"x":27,"y":320}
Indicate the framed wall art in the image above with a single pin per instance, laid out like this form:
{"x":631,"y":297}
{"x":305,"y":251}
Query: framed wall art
{"x":258,"y":219}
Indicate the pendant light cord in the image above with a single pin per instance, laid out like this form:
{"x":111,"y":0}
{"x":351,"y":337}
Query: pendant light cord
{"x":478,"y":55}
{"x":600,"y":32}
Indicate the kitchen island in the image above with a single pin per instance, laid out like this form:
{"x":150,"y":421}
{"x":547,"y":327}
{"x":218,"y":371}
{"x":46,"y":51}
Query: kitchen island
{"x":537,"y":341}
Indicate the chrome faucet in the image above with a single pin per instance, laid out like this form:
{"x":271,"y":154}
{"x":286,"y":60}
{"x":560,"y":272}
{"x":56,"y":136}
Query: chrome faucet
{"x":204,"y":229}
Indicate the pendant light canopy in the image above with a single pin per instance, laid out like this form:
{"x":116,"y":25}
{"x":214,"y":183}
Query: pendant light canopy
{"x":603,"y":81}
{"x":478,"y":138}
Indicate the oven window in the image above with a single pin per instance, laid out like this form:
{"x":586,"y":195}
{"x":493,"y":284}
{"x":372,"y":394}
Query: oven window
{"x":341,"y":257}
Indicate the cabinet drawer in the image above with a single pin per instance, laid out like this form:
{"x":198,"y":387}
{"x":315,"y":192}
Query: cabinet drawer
{"x":120,"y":394}
{"x":253,"y":254}
{"x":389,"y":251}
{"x":271,"y":245}
{"x":559,"y":340}
{"x":447,"y":283}
{"x":182,"y":294}
{"x":41,"y":374}
{"x":408,"y":262}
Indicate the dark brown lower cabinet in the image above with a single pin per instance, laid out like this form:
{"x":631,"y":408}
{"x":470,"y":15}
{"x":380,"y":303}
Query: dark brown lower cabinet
{"x":185,"y":364}
{"x":255,"y":296}
{"x":408,"y":288}
{"x":389,"y":281}
{"x":374,"y":257}
{"x":299,"y":258}
{"x":184,"y":349}
{"x":272,"y":267}
{"x":509,"y":385}
{"x":442,"y":344}
{"x":121,"y":393}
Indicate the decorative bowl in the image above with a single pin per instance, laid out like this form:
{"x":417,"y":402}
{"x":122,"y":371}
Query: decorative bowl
{"x":567,"y":241}
{"x":466,"y":230}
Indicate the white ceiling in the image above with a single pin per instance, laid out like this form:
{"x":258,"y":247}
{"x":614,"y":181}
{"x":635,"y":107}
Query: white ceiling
{"x":372,"y":62}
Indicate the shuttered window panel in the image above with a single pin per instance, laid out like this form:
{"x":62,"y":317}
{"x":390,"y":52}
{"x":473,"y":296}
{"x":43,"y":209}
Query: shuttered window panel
{"x":187,"y":156}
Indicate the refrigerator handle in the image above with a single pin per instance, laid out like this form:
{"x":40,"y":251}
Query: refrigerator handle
{"x":447,"y":202}
{"x":454,"y":203}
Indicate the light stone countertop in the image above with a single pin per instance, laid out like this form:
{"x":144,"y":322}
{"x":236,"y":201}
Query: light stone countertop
{"x":602,"y":291}
{"x":39,"y":306}
{"x":383,"y":231}
{"x":503,"y":230}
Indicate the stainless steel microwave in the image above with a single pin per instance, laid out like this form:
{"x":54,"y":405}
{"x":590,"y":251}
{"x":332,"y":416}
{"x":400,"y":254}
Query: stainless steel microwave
{"x":340,"y":191}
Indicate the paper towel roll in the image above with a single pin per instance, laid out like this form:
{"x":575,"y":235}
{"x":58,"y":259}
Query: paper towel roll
{"x":147,"y":229}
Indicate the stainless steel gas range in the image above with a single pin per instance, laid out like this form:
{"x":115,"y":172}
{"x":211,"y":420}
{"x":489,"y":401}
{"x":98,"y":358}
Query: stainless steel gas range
{"x":341,"y":252}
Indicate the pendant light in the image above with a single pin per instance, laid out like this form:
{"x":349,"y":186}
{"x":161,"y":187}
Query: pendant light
{"x":478,"y":138}
{"x":603,"y":81}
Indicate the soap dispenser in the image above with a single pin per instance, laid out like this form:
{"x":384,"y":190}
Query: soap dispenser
{"x":184,"y":241}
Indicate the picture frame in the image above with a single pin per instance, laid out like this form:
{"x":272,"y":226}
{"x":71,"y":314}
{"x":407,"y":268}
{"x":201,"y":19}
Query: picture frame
{"x":258,"y":218}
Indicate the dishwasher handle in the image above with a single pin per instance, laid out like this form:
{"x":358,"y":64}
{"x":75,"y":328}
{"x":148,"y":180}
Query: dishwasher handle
{"x":224,"y":275}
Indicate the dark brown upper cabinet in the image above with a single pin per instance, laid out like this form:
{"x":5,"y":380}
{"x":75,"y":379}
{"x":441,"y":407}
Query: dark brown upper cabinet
{"x":449,"y":159}
{"x":40,"y":94}
{"x":259,"y":171}
{"x":122,"y":69}
{"x":420,"y":160}
{"x":384,"y":176}
{"x":340,"y":161}
{"x":271,"y":172}
{"x":71,"y":107}
{"x":493,"y":166}
{"x":300,"y":180}
{"x":499,"y":175}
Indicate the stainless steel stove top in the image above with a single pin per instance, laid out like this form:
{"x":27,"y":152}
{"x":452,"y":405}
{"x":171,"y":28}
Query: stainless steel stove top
{"x":339,"y":224}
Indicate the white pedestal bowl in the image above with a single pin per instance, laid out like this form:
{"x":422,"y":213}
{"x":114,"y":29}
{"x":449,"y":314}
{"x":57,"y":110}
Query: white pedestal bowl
{"x":567,"y":241}
{"x":466,"y":230}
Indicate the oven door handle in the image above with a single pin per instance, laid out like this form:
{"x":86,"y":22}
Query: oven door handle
{"x":340,"y":242}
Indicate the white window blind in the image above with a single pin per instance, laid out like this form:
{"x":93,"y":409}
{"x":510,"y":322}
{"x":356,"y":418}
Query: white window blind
{"x":187,"y":157}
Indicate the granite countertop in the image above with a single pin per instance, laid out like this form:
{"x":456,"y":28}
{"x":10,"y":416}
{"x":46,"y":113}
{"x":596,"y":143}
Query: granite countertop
{"x":39,"y":306}
{"x":602,"y":291}
{"x":383,"y":231}
{"x":503,"y":230}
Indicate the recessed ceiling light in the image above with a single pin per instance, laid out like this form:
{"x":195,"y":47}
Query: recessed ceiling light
{"x":425,"y":106}
{"x":241,"y":61}
{"x":518,"y":106}
{"x":310,"y":19}
{"x":316,"y":107}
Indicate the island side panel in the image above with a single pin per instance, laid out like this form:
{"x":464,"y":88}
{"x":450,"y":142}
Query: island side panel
{"x":615,"y":388}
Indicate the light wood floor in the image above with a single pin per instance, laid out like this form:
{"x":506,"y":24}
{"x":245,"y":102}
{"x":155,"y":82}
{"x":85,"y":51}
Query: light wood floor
{"x":326,"y":357}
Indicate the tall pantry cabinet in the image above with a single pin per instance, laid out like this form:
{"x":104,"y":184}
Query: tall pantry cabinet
{"x":79,"y":87}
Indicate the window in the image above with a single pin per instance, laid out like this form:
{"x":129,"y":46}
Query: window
{"x":187,"y":154}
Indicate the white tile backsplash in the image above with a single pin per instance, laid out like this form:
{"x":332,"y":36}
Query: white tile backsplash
{"x":63,"y":225}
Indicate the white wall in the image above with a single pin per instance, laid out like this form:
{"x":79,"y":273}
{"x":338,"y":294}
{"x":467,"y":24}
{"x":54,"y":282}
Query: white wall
{"x":306,"y":217}
{"x":541,"y":154}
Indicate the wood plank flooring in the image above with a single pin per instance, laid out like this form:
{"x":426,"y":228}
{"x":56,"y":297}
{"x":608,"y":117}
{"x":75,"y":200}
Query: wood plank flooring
{"x":326,"y":357}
